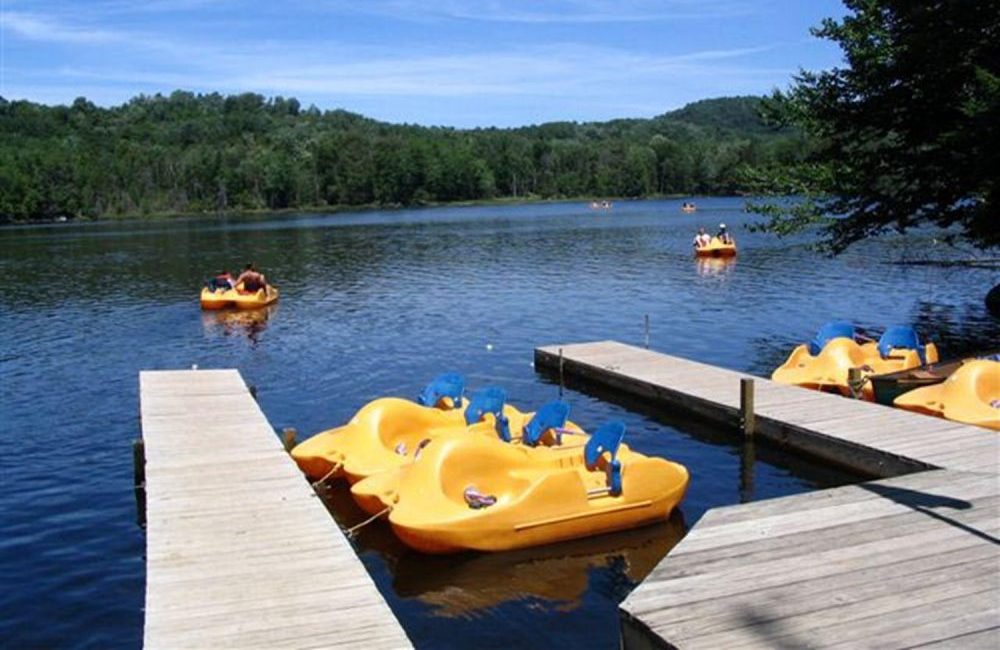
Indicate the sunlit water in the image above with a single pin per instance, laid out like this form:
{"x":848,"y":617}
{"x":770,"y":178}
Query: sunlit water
{"x":375,"y":304}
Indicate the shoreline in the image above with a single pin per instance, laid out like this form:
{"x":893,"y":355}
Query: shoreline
{"x":337,"y":209}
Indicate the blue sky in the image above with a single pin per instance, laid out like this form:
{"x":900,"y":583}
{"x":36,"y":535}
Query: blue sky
{"x":441,"y":62}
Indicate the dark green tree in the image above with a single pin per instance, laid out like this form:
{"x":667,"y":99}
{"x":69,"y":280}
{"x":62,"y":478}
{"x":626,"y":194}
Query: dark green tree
{"x":906,"y":133}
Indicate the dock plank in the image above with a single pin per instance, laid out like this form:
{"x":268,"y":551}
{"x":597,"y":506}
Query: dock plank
{"x":910,"y":560}
{"x":233,"y":530}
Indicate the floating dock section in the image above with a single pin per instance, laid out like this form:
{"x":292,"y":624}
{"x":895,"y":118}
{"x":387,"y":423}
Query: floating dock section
{"x":240,"y":552}
{"x":912,"y":560}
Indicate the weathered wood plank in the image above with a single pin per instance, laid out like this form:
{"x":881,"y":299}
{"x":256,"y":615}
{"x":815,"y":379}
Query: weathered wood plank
{"x":893,"y":563}
{"x":240,"y":552}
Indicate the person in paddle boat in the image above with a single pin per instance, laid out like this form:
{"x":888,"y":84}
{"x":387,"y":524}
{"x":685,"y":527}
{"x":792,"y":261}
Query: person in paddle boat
{"x":724,"y":235}
{"x":223,"y":280}
{"x":701,"y":239}
{"x":251,"y":279}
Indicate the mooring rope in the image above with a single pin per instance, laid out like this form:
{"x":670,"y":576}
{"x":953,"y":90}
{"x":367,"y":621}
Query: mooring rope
{"x":353,"y":529}
{"x":336,"y":466}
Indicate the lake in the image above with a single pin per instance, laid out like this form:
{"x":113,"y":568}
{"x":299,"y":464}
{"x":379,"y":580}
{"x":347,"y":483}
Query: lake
{"x":374,"y":304}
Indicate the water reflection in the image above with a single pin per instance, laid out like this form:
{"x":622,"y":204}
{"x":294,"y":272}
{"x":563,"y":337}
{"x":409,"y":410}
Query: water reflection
{"x":238,"y":322}
{"x":710,"y":267}
{"x":462,"y":585}
{"x":414,"y":293}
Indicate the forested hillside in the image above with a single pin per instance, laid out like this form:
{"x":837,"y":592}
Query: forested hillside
{"x":206,"y":153}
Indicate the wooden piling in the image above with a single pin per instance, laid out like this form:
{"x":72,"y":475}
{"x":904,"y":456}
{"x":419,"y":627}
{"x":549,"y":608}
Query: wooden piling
{"x":139,"y":480}
{"x":561,"y":382}
{"x":907,"y":561}
{"x":288,"y":438}
{"x":855,"y":381}
{"x":747,"y":417}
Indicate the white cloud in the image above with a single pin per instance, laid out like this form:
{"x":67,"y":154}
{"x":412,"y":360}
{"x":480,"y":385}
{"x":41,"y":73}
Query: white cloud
{"x":566,"y":71}
{"x":41,"y":28}
{"x":581,"y":80}
{"x":549,"y":11}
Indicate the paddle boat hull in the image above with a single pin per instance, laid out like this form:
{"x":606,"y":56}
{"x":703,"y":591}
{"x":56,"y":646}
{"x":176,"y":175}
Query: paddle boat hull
{"x":390,"y":432}
{"x":715,"y":248}
{"x":829,"y":370}
{"x":381,"y":491}
{"x":532,"y":498}
{"x":382,"y":436}
{"x":825,"y":362}
{"x":237,"y":298}
{"x":971,"y":395}
{"x":890,"y":386}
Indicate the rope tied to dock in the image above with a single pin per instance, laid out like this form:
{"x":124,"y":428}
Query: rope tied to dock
{"x":333,"y":470}
{"x":353,"y":529}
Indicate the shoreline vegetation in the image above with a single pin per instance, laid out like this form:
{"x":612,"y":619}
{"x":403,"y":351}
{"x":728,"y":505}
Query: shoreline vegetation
{"x":184,"y":155}
{"x":338,"y":209}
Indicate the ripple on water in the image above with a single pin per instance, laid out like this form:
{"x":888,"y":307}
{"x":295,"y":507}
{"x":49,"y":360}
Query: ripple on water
{"x":375,"y":304}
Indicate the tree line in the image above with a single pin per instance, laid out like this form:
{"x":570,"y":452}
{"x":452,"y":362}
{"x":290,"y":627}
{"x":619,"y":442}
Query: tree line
{"x":194,"y":153}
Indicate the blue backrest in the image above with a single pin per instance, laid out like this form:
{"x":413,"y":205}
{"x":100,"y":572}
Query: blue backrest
{"x":490,"y":399}
{"x":449,"y":384}
{"x":903,"y":337}
{"x":606,"y":439}
{"x":832,"y":330}
{"x":550,"y":416}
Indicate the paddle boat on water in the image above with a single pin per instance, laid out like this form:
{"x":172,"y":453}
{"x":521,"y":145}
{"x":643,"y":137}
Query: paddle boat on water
{"x":542,"y":434}
{"x":824,"y":363}
{"x":390,"y":432}
{"x":237,"y":297}
{"x":889,"y":386}
{"x":716,"y":248}
{"x":970,"y":395}
{"x":687,"y":206}
{"x":477,"y":493}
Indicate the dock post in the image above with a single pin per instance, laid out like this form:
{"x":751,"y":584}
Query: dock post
{"x":855,"y":381}
{"x":139,"y":480}
{"x":288,"y":435}
{"x":748,"y":459}
{"x":560,"y":372}
{"x":746,"y":406}
{"x":647,"y":331}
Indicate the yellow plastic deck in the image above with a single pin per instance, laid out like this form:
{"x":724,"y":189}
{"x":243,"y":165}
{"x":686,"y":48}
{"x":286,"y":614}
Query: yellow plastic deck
{"x":239,"y":550}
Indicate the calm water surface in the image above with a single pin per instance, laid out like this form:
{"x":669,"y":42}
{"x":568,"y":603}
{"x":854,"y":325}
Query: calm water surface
{"x":375,"y":304}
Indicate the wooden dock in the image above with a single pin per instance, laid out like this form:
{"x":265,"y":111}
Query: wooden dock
{"x":865,"y":437}
{"x":907,"y":561}
{"x":239,"y":550}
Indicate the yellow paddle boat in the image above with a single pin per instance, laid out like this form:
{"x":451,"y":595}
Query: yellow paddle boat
{"x":824,"y":362}
{"x":238,"y":298}
{"x":476,"y":493}
{"x":391,"y":432}
{"x":546,"y":435}
{"x":716,"y":248}
{"x":970,"y":395}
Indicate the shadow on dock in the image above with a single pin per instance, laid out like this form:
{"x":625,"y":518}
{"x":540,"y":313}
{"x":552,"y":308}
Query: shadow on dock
{"x":923,"y":503}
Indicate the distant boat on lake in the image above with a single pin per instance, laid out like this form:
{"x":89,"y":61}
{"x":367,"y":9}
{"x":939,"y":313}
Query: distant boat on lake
{"x":687,"y":206}
{"x":600,"y":205}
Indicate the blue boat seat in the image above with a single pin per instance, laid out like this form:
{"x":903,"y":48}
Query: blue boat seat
{"x":550,"y":416}
{"x":901,"y":337}
{"x":449,"y":384}
{"x":606,"y":440}
{"x":832,"y":330}
{"x":490,"y":399}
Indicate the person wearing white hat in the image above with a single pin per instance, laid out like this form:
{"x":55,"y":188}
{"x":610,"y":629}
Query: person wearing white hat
{"x":724,"y":235}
